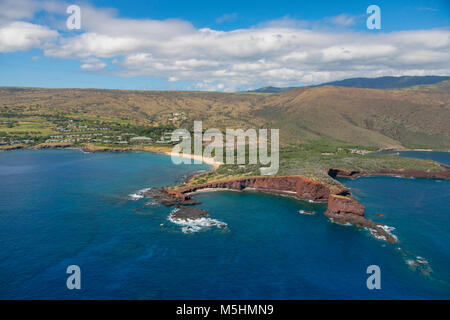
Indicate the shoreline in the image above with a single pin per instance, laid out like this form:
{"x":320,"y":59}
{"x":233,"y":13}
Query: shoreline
{"x":414,"y":150}
{"x":211,"y":161}
{"x":398,"y":173}
{"x":332,"y":172}
{"x":91,"y":148}
{"x":341,"y":208}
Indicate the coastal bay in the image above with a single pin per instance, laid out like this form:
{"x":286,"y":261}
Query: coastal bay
{"x":127,"y":248}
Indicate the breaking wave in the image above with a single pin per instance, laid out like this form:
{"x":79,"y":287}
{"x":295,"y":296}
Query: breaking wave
{"x":308,"y":213}
{"x":139,"y":194}
{"x":195,"y":225}
{"x":386,"y":228}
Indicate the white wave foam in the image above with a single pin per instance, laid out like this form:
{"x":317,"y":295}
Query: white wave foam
{"x":389,"y":230}
{"x":419,"y":263}
{"x":345,"y":224}
{"x":386,"y":228}
{"x":374,"y":233}
{"x":421,"y":260}
{"x":135,"y":196}
{"x":410,"y":262}
{"x":308,"y":213}
{"x":195,"y":225}
{"x":139,"y":194}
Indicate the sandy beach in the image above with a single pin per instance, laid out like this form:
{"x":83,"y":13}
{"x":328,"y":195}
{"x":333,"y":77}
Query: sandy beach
{"x":207,"y":160}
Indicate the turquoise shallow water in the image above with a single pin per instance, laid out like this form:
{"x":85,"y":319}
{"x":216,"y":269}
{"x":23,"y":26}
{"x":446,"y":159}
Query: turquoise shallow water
{"x":63,"y":207}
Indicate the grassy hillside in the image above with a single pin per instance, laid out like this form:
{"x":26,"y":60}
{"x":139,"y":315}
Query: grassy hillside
{"x":318,"y":125}
{"x":412,"y":117}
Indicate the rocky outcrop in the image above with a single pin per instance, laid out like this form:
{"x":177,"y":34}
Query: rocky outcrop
{"x":341,"y":208}
{"x":189,"y":213}
{"x":11,"y":148}
{"x":168,"y":199}
{"x":52,"y":146}
{"x":340,"y":173}
{"x":346,"y":210}
{"x":295,"y":186}
{"x":108,"y":149}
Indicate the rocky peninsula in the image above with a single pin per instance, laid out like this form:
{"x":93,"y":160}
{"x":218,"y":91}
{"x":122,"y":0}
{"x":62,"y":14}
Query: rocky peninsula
{"x":342,"y":208}
{"x":406,"y":173}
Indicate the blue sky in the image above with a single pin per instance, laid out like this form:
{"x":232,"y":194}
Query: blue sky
{"x":397,"y":15}
{"x":212,"y":45}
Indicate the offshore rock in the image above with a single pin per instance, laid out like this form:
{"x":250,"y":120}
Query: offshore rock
{"x":346,"y":210}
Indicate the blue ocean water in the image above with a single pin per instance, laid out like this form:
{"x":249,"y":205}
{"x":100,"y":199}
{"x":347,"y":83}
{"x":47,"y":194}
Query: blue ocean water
{"x":442,"y":157}
{"x":64,"y":207}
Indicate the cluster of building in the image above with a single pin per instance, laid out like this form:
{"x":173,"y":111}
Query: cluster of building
{"x":177,"y":116}
{"x":355,"y":151}
{"x":110,"y":139}
{"x":165,"y":139}
{"x":73,"y":133}
{"x":81,"y":129}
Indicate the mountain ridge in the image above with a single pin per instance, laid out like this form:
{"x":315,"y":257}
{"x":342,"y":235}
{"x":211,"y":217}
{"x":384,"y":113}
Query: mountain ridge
{"x":415,"y":117}
{"x":385,"y":82}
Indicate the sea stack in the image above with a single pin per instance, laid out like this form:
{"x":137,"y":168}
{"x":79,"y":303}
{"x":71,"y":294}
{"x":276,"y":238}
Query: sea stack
{"x":346,"y":210}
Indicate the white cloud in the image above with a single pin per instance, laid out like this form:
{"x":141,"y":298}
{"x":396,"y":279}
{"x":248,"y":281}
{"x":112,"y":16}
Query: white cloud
{"x":91,"y":44}
{"x":15,"y":10}
{"x":11,"y":10}
{"x":18,"y":36}
{"x":93,"y":64}
{"x":283,"y":52}
{"x":351,"y":52}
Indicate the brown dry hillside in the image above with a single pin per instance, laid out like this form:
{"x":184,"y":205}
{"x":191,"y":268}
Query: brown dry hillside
{"x":364,"y":116}
{"x":413,"y":117}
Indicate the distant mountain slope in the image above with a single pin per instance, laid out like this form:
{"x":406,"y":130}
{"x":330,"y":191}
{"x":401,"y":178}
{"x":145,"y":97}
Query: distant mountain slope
{"x":368,"y":83}
{"x":371,"y":117}
{"x":413,"y":117}
{"x":271,"y":90}
{"x":387,"y":82}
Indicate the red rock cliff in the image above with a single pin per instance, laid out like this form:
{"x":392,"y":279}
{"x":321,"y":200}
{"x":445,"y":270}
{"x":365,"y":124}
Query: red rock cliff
{"x":297,"y":186}
{"x":341,"y":207}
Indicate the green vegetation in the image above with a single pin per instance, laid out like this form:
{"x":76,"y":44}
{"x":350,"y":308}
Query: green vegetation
{"x":314,"y":159}
{"x":320,"y":127}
